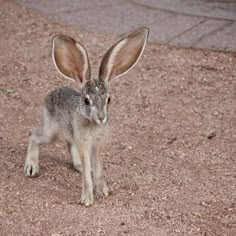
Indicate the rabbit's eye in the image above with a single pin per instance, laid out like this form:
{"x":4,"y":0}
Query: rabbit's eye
{"x":108,"y":100}
{"x":87,"y":102}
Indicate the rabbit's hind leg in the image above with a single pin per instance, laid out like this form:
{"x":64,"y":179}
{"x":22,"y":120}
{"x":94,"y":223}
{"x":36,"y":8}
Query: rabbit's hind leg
{"x":31,"y":167}
{"x":75,"y":156}
{"x":43,"y":135}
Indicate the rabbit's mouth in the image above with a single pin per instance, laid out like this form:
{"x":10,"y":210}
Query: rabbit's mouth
{"x":101,"y":121}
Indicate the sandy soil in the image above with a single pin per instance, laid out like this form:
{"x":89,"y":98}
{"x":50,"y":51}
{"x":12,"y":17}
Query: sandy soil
{"x":170,"y":162}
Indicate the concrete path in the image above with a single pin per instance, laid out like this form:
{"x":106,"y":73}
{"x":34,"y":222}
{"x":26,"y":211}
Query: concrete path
{"x":188,"y":23}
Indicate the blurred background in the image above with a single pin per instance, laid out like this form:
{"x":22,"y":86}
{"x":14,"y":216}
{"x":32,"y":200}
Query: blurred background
{"x":191,"y":23}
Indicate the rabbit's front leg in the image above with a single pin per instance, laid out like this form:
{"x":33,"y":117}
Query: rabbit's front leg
{"x":87,"y":185}
{"x":99,"y":183}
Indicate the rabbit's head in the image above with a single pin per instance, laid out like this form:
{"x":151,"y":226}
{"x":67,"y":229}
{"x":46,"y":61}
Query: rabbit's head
{"x":71,"y":60}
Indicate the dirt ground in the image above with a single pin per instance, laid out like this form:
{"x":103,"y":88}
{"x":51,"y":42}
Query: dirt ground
{"x":170,"y":162}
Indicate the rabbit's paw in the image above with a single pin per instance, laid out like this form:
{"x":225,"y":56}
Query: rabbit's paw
{"x":101,"y":189}
{"x":78,"y":168}
{"x":87,"y":198}
{"x":31,"y":169}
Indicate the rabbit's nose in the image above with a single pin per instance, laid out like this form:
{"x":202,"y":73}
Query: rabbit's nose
{"x":101,"y":116}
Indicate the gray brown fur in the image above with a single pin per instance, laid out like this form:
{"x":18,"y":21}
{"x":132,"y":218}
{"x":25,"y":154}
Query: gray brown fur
{"x":81,"y":118}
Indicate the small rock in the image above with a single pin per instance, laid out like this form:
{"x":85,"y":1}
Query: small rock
{"x":203,"y":204}
{"x":211,"y":135}
{"x":215,"y":113}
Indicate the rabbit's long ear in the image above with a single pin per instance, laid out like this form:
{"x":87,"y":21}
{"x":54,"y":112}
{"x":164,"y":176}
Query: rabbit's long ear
{"x":123,"y":55}
{"x":70,"y":58}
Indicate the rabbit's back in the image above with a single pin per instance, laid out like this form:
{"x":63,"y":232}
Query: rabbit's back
{"x":63,"y":99}
{"x":59,"y":109}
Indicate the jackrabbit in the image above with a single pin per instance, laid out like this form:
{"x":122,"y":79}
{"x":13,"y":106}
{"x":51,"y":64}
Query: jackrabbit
{"x":80,"y":118}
